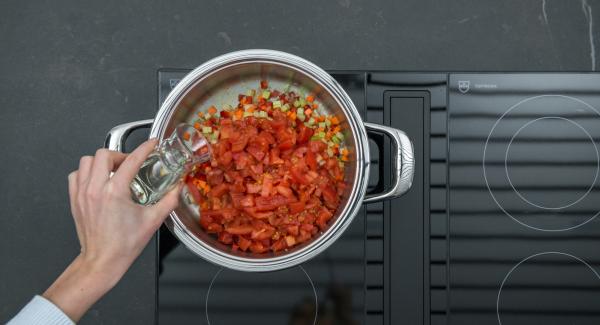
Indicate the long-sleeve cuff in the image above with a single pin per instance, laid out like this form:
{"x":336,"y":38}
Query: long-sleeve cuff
{"x":40,"y":311}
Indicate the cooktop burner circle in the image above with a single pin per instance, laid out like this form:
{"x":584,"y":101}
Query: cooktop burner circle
{"x":576,"y":199}
{"x":262,"y":297}
{"x":539,"y":159}
{"x":549,"y":287}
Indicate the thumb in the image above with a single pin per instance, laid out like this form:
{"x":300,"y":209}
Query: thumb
{"x":166,"y":205}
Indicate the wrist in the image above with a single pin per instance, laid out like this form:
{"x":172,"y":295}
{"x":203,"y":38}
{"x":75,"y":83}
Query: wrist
{"x":82,"y":283}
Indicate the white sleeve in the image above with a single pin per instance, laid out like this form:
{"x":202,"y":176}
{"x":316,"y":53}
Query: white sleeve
{"x":40,"y":311}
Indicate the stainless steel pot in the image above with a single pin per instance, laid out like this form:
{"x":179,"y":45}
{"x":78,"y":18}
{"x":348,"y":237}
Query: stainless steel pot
{"x":218,"y":82}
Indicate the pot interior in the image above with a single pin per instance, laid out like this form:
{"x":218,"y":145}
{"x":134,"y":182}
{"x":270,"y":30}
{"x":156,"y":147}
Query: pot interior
{"x":220,"y":88}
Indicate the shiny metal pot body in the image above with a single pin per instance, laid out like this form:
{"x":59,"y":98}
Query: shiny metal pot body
{"x":218,"y":82}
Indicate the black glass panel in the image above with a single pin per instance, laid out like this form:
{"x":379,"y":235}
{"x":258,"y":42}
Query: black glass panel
{"x":523,"y":199}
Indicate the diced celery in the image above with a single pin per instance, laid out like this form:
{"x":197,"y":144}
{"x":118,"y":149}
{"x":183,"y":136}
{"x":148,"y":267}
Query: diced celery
{"x":301,"y":117}
{"x":329,"y":152}
{"x":297,"y":103}
{"x":250,"y":92}
{"x":263,"y":114}
{"x":322,"y":124}
{"x":266,"y":94}
{"x":285,"y":108}
{"x":302,"y":102}
{"x":311,"y":121}
{"x":206,"y":129}
{"x":300,"y":110}
{"x":277,"y":104}
{"x":207,"y":116}
{"x":315,"y":138}
{"x":335,"y":139}
{"x":327,"y":122}
{"x":321,"y":134}
{"x":340,"y":135}
{"x":215,"y":134}
{"x":246,"y":114}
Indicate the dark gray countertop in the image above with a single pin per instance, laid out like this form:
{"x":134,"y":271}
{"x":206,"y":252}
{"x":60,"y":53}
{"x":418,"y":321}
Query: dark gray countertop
{"x":69,"y":71}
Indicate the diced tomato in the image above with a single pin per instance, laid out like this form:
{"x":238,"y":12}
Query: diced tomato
{"x":239,"y":144}
{"x":253,"y":188}
{"x":253,"y":212}
{"x":215,"y":177}
{"x":329,"y":195}
{"x":225,"y":158}
{"x":256,"y":152}
{"x":214,"y":228}
{"x":226,"y":132}
{"x":299,"y":176}
{"x":304,"y":133}
{"x":239,"y":230}
{"x":241,"y":160}
{"x":317,"y":146}
{"x":247,"y":201}
{"x":244,"y":243}
{"x":279,"y":245}
{"x":193,"y":190}
{"x":293,"y":230}
{"x":275,"y":160}
{"x":311,"y":160}
{"x":296,"y":207}
{"x":264,"y":233}
{"x":267,"y":186}
{"x":285,"y":191}
{"x":258,"y":247}
{"x":270,"y":203}
{"x":218,"y":190}
{"x":225,"y":238}
{"x":323,"y":217}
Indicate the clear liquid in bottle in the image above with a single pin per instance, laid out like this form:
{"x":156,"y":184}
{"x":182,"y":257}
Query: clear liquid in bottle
{"x":168,"y":163}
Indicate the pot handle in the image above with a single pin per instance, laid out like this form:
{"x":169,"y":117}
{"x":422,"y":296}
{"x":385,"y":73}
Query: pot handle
{"x":115,"y":139}
{"x":403,"y":163}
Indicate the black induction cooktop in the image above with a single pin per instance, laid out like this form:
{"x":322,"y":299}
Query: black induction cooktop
{"x":499,"y":227}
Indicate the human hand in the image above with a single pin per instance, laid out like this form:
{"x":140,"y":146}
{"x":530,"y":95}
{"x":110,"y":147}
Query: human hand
{"x":112,"y":228}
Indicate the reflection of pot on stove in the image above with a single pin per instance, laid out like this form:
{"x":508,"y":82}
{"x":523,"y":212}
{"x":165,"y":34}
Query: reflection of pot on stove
{"x":335,"y":310}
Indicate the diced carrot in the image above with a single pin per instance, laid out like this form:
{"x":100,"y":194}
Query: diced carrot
{"x":250,"y":109}
{"x":212,"y":110}
{"x":293,"y":116}
{"x":320,"y":129}
{"x":200,"y":114}
{"x":310,"y":98}
{"x":345,"y":152}
{"x":197,"y":126}
{"x":308,"y":112}
{"x":315,"y":105}
{"x":344,"y":158}
{"x":186,"y":136}
{"x":334,"y":120}
{"x":239,"y":113}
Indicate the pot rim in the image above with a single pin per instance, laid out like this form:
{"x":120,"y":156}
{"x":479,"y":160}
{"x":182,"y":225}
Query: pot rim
{"x":359,"y":184}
